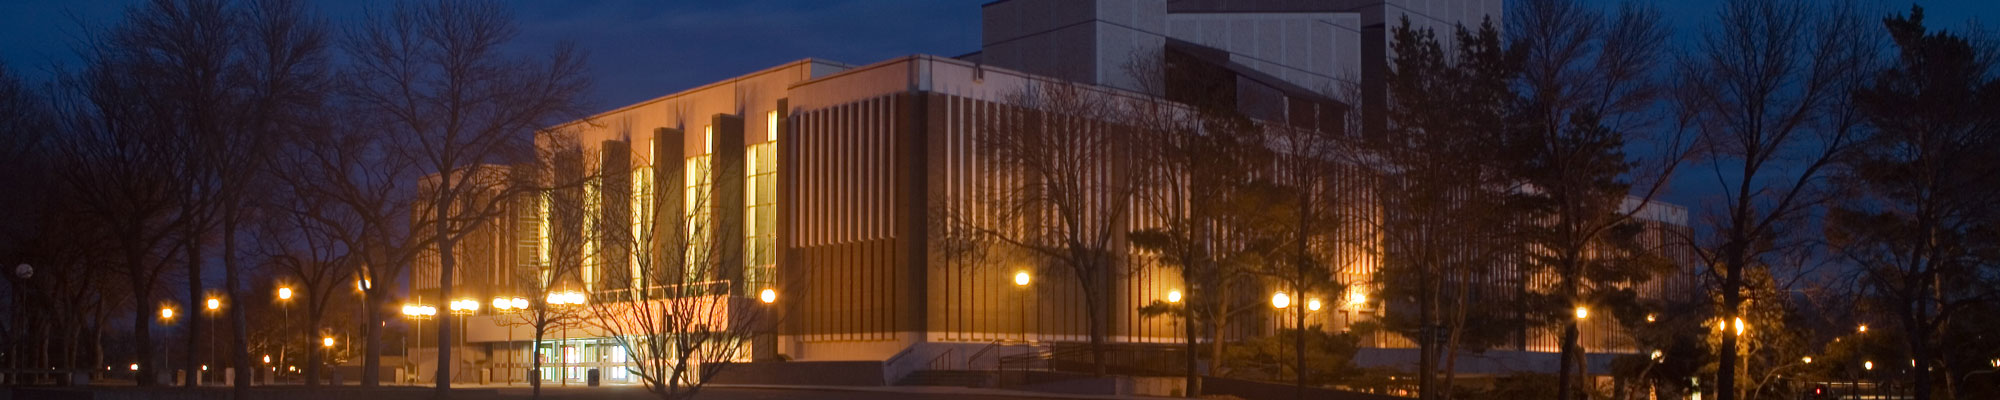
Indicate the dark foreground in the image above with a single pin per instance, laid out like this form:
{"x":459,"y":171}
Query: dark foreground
{"x":502,"y":393}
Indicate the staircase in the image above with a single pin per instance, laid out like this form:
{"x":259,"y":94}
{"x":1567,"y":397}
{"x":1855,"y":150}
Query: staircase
{"x":939,"y":377}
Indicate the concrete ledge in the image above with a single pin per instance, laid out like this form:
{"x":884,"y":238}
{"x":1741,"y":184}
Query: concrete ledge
{"x":807,"y":373}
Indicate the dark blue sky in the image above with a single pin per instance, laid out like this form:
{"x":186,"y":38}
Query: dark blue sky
{"x":641,"y":49}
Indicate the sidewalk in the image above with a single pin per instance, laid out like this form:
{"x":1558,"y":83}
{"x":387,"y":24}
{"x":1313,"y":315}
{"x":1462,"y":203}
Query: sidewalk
{"x":939,"y":390}
{"x":929,"y":390}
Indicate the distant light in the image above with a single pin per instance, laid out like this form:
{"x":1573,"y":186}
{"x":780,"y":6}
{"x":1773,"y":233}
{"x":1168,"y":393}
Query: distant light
{"x":1651,"y":318}
{"x":1739,"y":326}
{"x":214,"y":303}
{"x":326,"y":341}
{"x":1582,"y":312}
{"x":1021,"y":278}
{"x":1280,"y":300}
{"x":1868,"y":365}
{"x":284,"y":293}
{"x":1312,"y":304}
{"x":1657,"y":354}
{"x":1356,"y":298}
{"x":166,"y":313}
{"x":135,"y":366}
{"x":204,"y":367}
{"x":1862,"y":329}
{"x":1174,"y":296}
{"x":267,"y":358}
{"x":768,"y":296}
{"x":501,"y":303}
{"x":1807,"y":359}
{"x":518,"y":303}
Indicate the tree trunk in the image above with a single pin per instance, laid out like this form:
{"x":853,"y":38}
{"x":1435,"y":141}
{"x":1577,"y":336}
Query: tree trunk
{"x":1427,"y":345}
{"x":1732,"y":300}
{"x":1096,"y":303}
{"x":371,"y":331}
{"x":1216,"y":364}
{"x":197,"y":310}
{"x":541,"y":328}
{"x":142,"y":329}
{"x":446,"y":264}
{"x":1566,"y":381}
{"x":239,"y":331}
{"x":1193,"y":388}
{"x":312,"y":353}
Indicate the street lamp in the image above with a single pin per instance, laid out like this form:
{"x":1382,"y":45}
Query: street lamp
{"x":1312,"y":304}
{"x":1174,"y":296}
{"x":1862,"y":329}
{"x":1021,"y":278}
{"x":418,"y":313}
{"x":326,"y":341}
{"x":1806,"y":359}
{"x":284,"y":299}
{"x":213,"y":305}
{"x":1739,"y":326}
{"x":166,"y":314}
{"x":768,"y":296}
{"x":1280,"y":300}
{"x":1582,"y":312}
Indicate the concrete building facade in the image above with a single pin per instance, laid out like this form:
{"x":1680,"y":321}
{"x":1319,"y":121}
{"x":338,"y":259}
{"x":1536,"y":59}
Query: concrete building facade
{"x":839,"y":170}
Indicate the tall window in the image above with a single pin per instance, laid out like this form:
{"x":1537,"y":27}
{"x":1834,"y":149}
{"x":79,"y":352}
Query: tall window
{"x":699,"y":200}
{"x":760,"y":218}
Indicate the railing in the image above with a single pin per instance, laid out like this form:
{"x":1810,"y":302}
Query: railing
{"x":1122,"y":358}
{"x":981,"y":353}
{"x":944,"y":357}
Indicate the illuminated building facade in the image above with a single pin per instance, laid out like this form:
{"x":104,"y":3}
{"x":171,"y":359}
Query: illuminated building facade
{"x":835,"y":171}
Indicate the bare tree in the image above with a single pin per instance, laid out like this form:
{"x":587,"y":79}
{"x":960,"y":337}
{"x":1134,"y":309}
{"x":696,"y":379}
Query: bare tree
{"x":1075,"y":177}
{"x":1766,"y":92}
{"x":1587,"y":86}
{"x":118,"y":154}
{"x":682,"y":321}
{"x":438,"y":76}
{"x":1198,"y":156}
{"x":567,"y":203}
{"x":304,"y":237}
{"x":1920,"y":209}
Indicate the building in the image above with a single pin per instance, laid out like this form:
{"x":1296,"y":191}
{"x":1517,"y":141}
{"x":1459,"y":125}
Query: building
{"x":841,"y":165}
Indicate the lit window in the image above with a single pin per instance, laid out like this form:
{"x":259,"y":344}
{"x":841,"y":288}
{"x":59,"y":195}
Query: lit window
{"x":771,"y":126}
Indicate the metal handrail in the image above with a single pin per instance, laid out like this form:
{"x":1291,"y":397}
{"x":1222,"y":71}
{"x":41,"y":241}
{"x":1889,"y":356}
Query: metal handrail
{"x":933,"y":363}
{"x":981,"y":353}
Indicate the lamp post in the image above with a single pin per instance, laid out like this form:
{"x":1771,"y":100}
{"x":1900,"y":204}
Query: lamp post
{"x":564,"y":299}
{"x":418,"y":313}
{"x":167,"y":318}
{"x":1021,"y":280}
{"x":214,"y":304}
{"x":510,"y":305}
{"x":284,"y":303}
{"x":1282,"y":301}
{"x":462,"y":308}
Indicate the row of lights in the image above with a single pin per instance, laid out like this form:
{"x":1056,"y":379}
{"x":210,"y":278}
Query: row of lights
{"x":1278,"y":300}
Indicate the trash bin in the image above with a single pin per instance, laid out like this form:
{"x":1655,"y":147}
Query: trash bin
{"x":534,"y":377}
{"x":592,"y":377}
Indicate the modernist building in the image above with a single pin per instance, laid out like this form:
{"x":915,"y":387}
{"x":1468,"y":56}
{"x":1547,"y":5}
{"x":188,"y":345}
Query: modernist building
{"x":841,"y":165}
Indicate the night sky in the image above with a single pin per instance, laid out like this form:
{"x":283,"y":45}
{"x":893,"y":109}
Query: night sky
{"x":642,"y":49}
